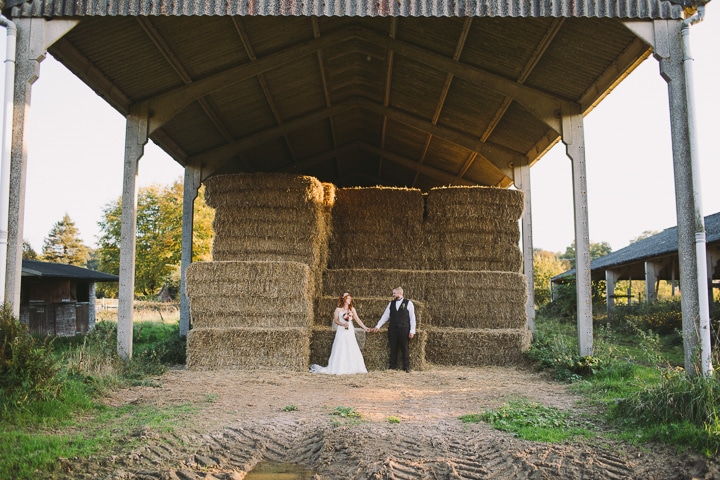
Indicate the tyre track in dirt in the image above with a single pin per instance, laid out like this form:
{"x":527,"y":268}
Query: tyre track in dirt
{"x":248,"y":422}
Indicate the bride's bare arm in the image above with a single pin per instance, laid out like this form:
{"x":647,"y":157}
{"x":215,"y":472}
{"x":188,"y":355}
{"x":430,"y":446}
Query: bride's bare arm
{"x":360,"y":322}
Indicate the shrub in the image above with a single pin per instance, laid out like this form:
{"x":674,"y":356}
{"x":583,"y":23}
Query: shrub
{"x":28,"y":370}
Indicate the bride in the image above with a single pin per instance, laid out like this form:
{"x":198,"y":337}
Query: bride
{"x":345,"y":356}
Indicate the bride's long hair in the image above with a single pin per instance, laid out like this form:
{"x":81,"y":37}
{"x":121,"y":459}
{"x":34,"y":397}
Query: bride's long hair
{"x":341,"y":301}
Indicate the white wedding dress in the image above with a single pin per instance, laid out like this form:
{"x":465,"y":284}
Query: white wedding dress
{"x":345,"y":356}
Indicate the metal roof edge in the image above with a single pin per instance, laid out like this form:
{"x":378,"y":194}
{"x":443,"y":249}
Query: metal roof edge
{"x":656,"y":245}
{"x":626,"y":9}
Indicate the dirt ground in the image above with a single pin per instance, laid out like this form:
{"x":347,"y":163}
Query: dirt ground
{"x":242,"y":418}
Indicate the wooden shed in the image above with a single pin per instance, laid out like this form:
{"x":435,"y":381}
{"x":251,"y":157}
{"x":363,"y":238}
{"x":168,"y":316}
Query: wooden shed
{"x":58,"y":299}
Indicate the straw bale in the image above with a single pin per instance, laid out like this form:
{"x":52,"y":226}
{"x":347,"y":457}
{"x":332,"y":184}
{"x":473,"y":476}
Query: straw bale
{"x":374,"y":282}
{"x":269,"y":221}
{"x":369,"y":309}
{"x":263,"y":189}
{"x":329,"y":194}
{"x":474,"y":201}
{"x":376,"y":349}
{"x":442,"y":253}
{"x":377,"y":227}
{"x":477,"y":347}
{"x":450,"y":297}
{"x":277,"y":281}
{"x":248,"y":349}
{"x":460,"y":298}
{"x":230,"y":319}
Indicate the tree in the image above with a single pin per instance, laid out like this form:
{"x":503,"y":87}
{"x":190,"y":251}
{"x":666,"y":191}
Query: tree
{"x":63,"y":244}
{"x":644,"y":235}
{"x":27,"y":251}
{"x":545,"y":266}
{"x":159,"y":237}
{"x":597,"y":250}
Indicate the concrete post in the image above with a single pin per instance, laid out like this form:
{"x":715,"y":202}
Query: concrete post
{"x":135,"y":139}
{"x":34,"y":36}
{"x":92,"y":314}
{"x":611,"y":278}
{"x":651,"y":269}
{"x":191,"y":184}
{"x":522,"y":182}
{"x":671,"y":53}
{"x":574,"y":139}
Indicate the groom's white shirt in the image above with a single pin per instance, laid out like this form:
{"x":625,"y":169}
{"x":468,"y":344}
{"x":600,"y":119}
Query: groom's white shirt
{"x":386,"y":314}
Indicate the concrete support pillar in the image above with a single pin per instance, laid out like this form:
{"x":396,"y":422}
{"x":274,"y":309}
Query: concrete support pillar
{"x":522,"y":182}
{"x":191,"y":185}
{"x":574,"y":139}
{"x":651,"y":278}
{"x":672,"y":51}
{"x":611,"y":278}
{"x":34,"y":36}
{"x":136,"y":136}
{"x":92,"y":314}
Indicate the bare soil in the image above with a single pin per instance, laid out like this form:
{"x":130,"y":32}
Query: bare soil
{"x":244,"y":417}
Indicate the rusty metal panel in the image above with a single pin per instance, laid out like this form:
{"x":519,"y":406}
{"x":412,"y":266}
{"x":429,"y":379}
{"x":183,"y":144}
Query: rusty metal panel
{"x":359,"y":8}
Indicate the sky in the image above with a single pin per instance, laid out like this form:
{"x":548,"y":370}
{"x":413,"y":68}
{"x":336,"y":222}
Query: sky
{"x":76,"y":147}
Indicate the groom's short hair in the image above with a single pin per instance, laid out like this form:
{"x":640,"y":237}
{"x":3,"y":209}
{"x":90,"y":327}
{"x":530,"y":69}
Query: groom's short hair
{"x":399,"y":289}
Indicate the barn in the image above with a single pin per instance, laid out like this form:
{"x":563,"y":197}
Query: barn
{"x":410,"y":93}
{"x":59,"y":299}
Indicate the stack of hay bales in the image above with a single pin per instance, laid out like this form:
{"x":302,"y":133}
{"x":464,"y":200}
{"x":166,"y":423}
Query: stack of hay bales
{"x":462,"y":271}
{"x":253,"y":306}
{"x":473,"y":228}
{"x":477,"y":293}
{"x":378,"y":231}
{"x":377,"y":227}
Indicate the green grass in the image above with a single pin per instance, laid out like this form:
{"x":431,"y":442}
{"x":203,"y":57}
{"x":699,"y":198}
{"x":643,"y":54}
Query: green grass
{"x":531,"y":421}
{"x":36,"y":433}
{"x":634,"y":379}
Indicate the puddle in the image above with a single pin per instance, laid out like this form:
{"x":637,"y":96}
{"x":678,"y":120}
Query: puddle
{"x":279,"y":471}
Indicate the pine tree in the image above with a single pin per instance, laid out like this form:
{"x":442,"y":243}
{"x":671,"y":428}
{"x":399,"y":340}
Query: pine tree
{"x":63,"y":244}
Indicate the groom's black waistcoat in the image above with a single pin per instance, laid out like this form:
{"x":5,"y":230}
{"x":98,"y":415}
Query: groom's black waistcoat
{"x":400,"y":318}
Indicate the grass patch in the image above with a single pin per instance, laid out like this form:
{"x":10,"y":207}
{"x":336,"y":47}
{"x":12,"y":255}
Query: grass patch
{"x":635,"y":377}
{"x":531,"y":421}
{"x":48,"y":403}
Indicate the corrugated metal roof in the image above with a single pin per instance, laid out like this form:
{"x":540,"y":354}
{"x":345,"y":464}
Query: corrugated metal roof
{"x":36,"y":268}
{"x":663,"y":243}
{"x":637,"y":9}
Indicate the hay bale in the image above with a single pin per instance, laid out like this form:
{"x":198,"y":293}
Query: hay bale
{"x":369,"y":309}
{"x":488,"y":204}
{"x":374,"y":282}
{"x":447,"y":251}
{"x":263,"y":189}
{"x":473,"y":228}
{"x":476,"y":299}
{"x":250,"y":294}
{"x":376,"y":349}
{"x":248,"y":349}
{"x":476,"y":347}
{"x":377,"y":227}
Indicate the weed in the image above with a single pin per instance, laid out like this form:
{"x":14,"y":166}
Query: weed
{"x":530,"y":421}
{"x":392,"y":419}
{"x":346,"y":412}
{"x":290,"y":408}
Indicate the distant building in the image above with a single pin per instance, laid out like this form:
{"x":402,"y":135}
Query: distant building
{"x":651,"y":259}
{"x":58,"y":299}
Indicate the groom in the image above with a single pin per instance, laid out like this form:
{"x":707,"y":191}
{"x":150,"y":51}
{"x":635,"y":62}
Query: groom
{"x":401,"y":313}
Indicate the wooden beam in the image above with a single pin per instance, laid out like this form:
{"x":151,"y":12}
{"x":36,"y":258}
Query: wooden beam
{"x":543,"y":105}
{"x":441,"y":176}
{"x":499,"y":156}
{"x":217,"y":155}
{"x":167,"y":104}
